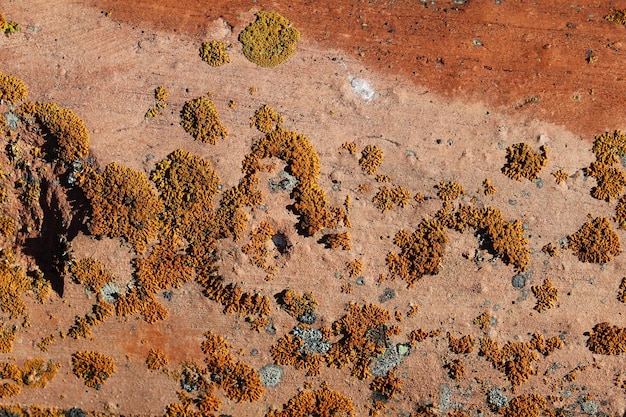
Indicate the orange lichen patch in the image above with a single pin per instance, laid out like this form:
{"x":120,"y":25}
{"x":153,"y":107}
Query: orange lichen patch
{"x":421,"y":252}
{"x":101,"y":311}
{"x":525,"y":405}
{"x":270,"y":40}
{"x":7,"y":26}
{"x":610,"y":180}
{"x":488,"y":188}
{"x":560,"y":176}
{"x":257,"y":248}
{"x":123,"y":204}
{"x":620,"y":213}
{"x":266,"y":119}
{"x":387,"y":199}
{"x":347,"y":288}
{"x":296,"y":305}
{"x":456,"y":369}
{"x":355,"y":268}
{"x":13,"y":284}
{"x":94,"y":367}
{"x":160,"y":97}
{"x":8,"y":389}
{"x":543,"y":346}
{"x":7,"y":337}
{"x":621,"y":291}
{"x":595,"y":241}
{"x":550,"y":249}
{"x":413,"y":310}
{"x":609,"y":147}
{"x":214,"y":53}
{"x":7,"y":225}
{"x":321,"y":402}
{"x":128,"y":304}
{"x":388,"y":386}
{"x":573,"y":374}
{"x":45,"y":342}
{"x":349,"y":146}
{"x":290,"y":350}
{"x":547,"y":295}
{"x":72,"y":138}
{"x":153,"y":311}
{"x":371,"y":159}
{"x":514,"y":359}
{"x":383,"y":178}
{"x":10,"y":371}
{"x":199,"y":118}
{"x":239,"y":381}
{"x":606,"y":339}
{"x":523,"y":162}
{"x":461,"y":345}
{"x":508,"y":241}
{"x":483,"y":320}
{"x":618,"y":16}
{"x":90,"y":273}
{"x":156,"y":360}
{"x":12,"y":89}
{"x":364,"y":335}
{"x":449,"y":190}
{"x":37,"y":372}
{"x":337,"y":241}
{"x":164,"y":268}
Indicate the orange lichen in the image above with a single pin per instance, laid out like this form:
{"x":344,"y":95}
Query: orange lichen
{"x":101,"y":311}
{"x":12,"y":89}
{"x":550,"y":249}
{"x":383,"y":178}
{"x":7,"y":226}
{"x":322,"y":402}
{"x":91,"y":274}
{"x":621,"y":291}
{"x":37,"y":372}
{"x":413,"y":310}
{"x":384,"y":388}
{"x":483,"y":320}
{"x":610,"y":180}
{"x":525,"y":405}
{"x":8,"y":389}
{"x":214,"y":53}
{"x":160,"y":97}
{"x":156,"y":360}
{"x":123,"y":204}
{"x":72,"y":138}
{"x":618,"y":16}
{"x":347,"y":288}
{"x":364,"y":334}
{"x":349,"y":146}
{"x":606,"y":339}
{"x":547,"y":295}
{"x":488,"y":188}
{"x":257,"y":248}
{"x":270,"y":40}
{"x":355,"y":268}
{"x":13,"y":284}
{"x":371,"y":159}
{"x":45,"y":342}
{"x":7,"y":337}
{"x":94,"y":367}
{"x":595,"y":241}
{"x":166,"y":267}
{"x":153,"y":311}
{"x":449,"y":190}
{"x":337,"y":241}
{"x":456,"y":369}
{"x":421,"y":252}
{"x":419,"y":335}
{"x":296,"y":305}
{"x":543,"y":346}
{"x":290,"y":350}
{"x":609,"y":147}
{"x":266,"y":119}
{"x":387,"y":199}
{"x":515,"y":359}
{"x":560,"y":176}
{"x":620,"y":213}
{"x":463,"y":344}
{"x":523,"y":162}
{"x":199,"y":118}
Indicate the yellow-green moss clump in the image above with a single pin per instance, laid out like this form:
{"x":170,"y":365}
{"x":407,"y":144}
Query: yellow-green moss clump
{"x":12,"y":89}
{"x":421,"y":251}
{"x":214,"y":53}
{"x":123,"y":204}
{"x":199,"y":118}
{"x":595,"y":241}
{"x":523,"y":162}
{"x":270,"y":40}
{"x":94,"y":367}
{"x":65,"y":126}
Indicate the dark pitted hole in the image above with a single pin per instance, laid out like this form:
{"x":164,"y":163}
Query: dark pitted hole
{"x":281,"y":242}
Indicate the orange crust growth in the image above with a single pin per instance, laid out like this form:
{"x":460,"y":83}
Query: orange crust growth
{"x":523,"y":162}
{"x":595,"y":242}
{"x":94,"y":367}
{"x":322,"y":402}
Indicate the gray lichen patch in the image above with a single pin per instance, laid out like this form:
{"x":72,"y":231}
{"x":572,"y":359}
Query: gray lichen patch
{"x":271,"y":375}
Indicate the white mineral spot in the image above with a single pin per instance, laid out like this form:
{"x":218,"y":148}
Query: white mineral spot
{"x":362,"y":88}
